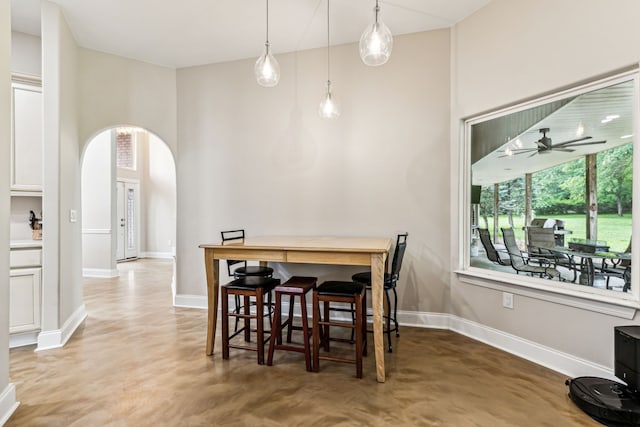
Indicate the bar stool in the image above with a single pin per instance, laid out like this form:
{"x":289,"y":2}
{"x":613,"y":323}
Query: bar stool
{"x":295,"y":286}
{"x":249,"y":286}
{"x":339,"y":292}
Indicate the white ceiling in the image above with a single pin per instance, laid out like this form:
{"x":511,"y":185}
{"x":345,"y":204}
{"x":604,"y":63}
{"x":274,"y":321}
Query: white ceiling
{"x":195,"y":32}
{"x":588,"y":112}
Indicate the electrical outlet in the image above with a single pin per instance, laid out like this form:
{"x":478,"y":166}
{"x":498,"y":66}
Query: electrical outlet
{"x":507,"y":300}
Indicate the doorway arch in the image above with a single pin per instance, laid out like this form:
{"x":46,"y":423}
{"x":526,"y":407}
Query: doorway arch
{"x":128,"y":154}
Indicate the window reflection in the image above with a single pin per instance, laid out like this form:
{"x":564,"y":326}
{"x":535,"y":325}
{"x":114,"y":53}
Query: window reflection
{"x":559,"y":174}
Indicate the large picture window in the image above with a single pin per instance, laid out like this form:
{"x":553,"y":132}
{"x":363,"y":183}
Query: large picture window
{"x":549,"y":191}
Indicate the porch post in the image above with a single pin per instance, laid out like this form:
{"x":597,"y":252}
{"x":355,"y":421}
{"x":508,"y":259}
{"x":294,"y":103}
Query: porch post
{"x":591,"y":194}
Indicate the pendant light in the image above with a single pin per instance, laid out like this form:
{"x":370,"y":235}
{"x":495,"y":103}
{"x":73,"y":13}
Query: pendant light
{"x":328,"y":107}
{"x":267,"y":69}
{"x":376,"y":41}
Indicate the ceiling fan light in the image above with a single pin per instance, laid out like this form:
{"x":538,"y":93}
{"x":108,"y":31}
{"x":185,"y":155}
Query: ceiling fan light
{"x":376,"y":42}
{"x":267,"y":69}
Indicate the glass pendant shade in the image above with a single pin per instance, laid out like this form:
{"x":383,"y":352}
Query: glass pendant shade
{"x":267,"y":69}
{"x":376,"y":42}
{"x":328,"y":107}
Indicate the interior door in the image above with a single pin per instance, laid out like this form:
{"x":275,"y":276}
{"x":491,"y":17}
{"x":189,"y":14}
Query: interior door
{"x":127,"y":211}
{"x":121,"y":221}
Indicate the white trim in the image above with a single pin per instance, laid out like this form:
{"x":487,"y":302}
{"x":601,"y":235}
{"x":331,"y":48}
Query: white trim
{"x":23,"y":338}
{"x":159,"y":255}
{"x":57,"y":338}
{"x":103,"y":273}
{"x":556,"y":360}
{"x":190,"y":301}
{"x":8,"y":403}
{"x":609,"y":305}
{"x":96,"y":231}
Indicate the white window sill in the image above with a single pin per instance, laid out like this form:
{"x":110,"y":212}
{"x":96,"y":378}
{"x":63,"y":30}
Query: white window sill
{"x":596,"y":300}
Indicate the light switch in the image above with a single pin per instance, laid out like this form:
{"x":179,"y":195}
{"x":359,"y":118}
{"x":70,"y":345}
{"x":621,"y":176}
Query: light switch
{"x":73,"y":215}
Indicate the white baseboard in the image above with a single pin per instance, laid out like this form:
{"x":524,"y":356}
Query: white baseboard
{"x":190,"y":301}
{"x":23,"y":338}
{"x":548,"y":357}
{"x":102,"y":273}
{"x":160,"y":255}
{"x":8,"y":403}
{"x":57,"y":338}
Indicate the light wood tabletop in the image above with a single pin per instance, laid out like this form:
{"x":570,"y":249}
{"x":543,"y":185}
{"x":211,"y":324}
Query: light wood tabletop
{"x":365,"y":251}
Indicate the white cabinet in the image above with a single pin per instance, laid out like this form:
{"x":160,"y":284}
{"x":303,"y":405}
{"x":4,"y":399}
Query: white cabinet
{"x":26,"y":139}
{"x":24,"y":299}
{"x":25,"y":289}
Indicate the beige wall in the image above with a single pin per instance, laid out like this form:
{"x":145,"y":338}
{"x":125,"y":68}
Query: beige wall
{"x":62,"y":269}
{"x":116,"y":91}
{"x":262,"y":159}
{"x":26,"y":57}
{"x":5,"y":136}
{"x":508,"y":51}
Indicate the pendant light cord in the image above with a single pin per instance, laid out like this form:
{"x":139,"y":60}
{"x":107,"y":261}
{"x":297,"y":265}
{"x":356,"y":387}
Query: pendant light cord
{"x":267,"y":22}
{"x":328,"y":47}
{"x":377,"y":10}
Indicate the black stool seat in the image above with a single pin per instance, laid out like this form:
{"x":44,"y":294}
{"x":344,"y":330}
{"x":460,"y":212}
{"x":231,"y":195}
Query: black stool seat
{"x":338,"y":288}
{"x":365,"y":279}
{"x":253,"y":270}
{"x":252,"y":282}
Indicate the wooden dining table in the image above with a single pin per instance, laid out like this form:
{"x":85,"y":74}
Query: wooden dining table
{"x":364,"y":251}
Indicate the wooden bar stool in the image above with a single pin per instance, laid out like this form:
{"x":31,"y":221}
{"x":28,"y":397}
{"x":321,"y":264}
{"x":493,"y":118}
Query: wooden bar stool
{"x":339,"y":292}
{"x":247,"y":287}
{"x":295,"y":286}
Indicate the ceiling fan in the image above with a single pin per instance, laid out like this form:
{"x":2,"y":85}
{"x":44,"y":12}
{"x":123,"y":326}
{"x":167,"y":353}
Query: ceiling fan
{"x":544,"y":145}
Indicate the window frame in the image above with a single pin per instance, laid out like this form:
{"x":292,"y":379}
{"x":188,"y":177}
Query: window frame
{"x":601,"y":300}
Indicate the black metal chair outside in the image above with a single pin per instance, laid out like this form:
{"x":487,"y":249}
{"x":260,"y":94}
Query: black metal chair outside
{"x":541,"y":242}
{"x":521,"y":262}
{"x":620,"y":269}
{"x":495,"y":255}
{"x":390,"y":283}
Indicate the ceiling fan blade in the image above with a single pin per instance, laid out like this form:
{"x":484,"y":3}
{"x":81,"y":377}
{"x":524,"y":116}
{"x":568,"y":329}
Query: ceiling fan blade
{"x":519,"y":151}
{"x":588,"y":143}
{"x":564,"y":150}
{"x":560,"y":144}
{"x":533,"y":154}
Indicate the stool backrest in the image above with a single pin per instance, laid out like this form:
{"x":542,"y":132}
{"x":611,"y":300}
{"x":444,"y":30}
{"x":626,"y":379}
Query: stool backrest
{"x":233,"y":235}
{"x":398,"y":255}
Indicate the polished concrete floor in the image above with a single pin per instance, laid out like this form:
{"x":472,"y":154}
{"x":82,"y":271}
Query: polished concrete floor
{"x":138,"y":361}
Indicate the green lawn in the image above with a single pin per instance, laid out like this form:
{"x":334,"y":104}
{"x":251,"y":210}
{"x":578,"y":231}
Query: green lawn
{"x":613,"y":229}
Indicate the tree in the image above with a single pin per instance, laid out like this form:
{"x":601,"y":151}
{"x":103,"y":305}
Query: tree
{"x":615,"y":176}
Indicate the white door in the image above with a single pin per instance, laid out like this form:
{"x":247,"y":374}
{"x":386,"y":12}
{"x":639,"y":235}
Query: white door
{"x":127,"y":211}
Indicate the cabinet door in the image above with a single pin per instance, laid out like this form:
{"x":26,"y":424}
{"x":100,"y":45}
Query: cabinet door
{"x":24,"y":299}
{"x":26,"y":146}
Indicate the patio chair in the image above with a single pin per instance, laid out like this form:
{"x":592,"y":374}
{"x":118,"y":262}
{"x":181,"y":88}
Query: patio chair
{"x":541,"y":242}
{"x":620,"y":269}
{"x":495,"y":255}
{"x":521,"y":262}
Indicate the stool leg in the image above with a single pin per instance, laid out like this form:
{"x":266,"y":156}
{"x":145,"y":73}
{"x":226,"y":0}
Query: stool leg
{"x":364,"y":321}
{"x":359,"y":337}
{"x":316,"y":332}
{"x":326,"y":336}
{"x":292,"y":300}
{"x":276,"y":330}
{"x":305,"y":331}
{"x":260,"y":326}
{"x":388,"y":319}
{"x":225,"y":324}
{"x":247,"y":321}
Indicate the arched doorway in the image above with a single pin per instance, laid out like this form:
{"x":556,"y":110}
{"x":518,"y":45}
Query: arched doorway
{"x":128,"y":196}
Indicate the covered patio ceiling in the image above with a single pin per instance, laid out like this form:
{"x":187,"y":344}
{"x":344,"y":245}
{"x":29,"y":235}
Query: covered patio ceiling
{"x":604,"y":114}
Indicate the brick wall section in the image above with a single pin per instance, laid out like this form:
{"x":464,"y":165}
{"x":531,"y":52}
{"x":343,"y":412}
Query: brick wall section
{"x":124,"y":150}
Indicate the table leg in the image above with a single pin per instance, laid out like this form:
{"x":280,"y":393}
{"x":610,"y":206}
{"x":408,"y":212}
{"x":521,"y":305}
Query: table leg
{"x":211,"y":267}
{"x":377,"y":284}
